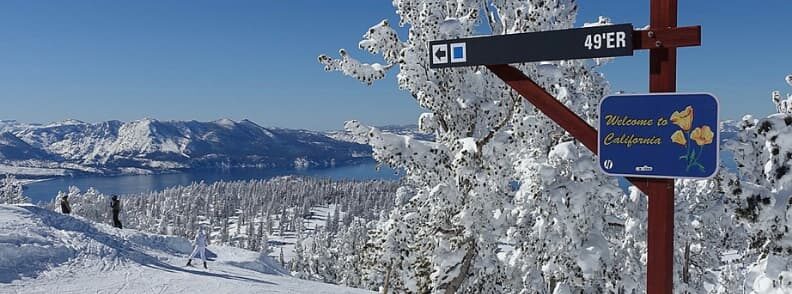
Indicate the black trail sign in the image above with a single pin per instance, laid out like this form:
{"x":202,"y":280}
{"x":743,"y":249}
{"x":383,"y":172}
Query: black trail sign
{"x":580,"y":43}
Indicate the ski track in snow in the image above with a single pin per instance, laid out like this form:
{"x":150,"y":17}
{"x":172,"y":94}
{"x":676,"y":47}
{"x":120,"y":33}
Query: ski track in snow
{"x":46,"y":252}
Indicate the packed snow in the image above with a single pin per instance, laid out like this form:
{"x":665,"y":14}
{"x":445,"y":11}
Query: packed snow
{"x":42,"y":251}
{"x":501,"y":200}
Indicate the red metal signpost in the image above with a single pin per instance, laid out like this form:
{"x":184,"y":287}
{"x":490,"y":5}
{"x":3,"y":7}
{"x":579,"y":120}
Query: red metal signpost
{"x":661,"y":39}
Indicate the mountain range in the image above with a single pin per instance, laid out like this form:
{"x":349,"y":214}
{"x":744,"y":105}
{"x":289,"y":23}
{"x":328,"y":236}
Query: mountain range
{"x":73,"y":147}
{"x":148,"y":146}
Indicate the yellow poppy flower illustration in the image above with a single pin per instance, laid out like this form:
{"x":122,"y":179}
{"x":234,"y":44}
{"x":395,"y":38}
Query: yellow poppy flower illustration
{"x":679,"y":138}
{"x":683,"y":118}
{"x":702,"y":135}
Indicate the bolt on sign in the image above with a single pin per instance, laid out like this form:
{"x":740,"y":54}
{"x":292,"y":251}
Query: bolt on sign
{"x":673,"y":135}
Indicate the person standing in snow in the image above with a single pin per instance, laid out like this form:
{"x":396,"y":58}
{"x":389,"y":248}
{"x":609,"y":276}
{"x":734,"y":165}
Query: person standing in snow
{"x":115,"y":205}
{"x":200,"y":247}
{"x":64,"y":202}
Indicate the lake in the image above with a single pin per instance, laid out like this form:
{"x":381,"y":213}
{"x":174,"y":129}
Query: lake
{"x":44,"y":191}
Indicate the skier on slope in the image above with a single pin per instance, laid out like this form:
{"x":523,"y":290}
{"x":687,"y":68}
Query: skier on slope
{"x":64,"y":202}
{"x":200,"y":247}
{"x":115,"y":205}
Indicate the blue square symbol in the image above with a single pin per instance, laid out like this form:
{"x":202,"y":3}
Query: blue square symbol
{"x":459,"y":52}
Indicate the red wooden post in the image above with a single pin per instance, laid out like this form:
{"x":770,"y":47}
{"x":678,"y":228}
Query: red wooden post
{"x":661,"y":39}
{"x":660,"y":239}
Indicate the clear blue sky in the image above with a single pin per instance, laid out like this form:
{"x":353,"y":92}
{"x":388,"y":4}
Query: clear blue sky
{"x":203,"y":60}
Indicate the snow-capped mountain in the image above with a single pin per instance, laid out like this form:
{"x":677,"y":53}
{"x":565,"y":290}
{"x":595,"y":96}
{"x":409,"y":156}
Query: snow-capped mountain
{"x":152,"y":145}
{"x":9,"y":125}
{"x":72,"y":140}
{"x":12,"y":148}
{"x":729,"y":129}
{"x":405,"y":130}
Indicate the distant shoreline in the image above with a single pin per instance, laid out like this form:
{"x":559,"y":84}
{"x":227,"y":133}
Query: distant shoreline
{"x":46,"y":189}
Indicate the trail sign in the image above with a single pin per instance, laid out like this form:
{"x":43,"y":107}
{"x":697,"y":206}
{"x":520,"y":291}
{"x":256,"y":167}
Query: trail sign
{"x":665,"y":135}
{"x":661,"y":38}
{"x":580,"y":43}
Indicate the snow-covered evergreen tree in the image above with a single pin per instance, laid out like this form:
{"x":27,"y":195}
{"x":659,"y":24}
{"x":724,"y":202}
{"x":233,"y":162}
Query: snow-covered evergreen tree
{"x":783,"y":105}
{"x":762,"y":194}
{"x":298,"y":265}
{"x":705,"y":228}
{"x":11,"y":191}
{"x":629,"y":239}
{"x":349,"y":245}
{"x":89,"y":204}
{"x":238,"y":214}
{"x":281,"y":258}
{"x":263,"y":243}
{"x":486,"y":138}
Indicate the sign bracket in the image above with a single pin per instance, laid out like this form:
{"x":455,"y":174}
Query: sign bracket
{"x":667,"y":37}
{"x":559,"y":113}
{"x":661,"y":39}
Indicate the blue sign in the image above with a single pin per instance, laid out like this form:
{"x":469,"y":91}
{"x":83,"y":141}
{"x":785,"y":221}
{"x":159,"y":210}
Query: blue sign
{"x":667,"y":135}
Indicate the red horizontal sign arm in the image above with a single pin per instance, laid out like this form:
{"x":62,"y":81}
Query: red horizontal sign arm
{"x":668,"y":38}
{"x":554,"y":109}
{"x":547,"y":104}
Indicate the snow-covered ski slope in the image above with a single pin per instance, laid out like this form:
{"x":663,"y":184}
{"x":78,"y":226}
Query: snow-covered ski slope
{"x":42,"y":251}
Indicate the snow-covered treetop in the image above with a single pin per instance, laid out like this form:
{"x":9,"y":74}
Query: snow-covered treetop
{"x":783,"y":105}
{"x":486,"y":137}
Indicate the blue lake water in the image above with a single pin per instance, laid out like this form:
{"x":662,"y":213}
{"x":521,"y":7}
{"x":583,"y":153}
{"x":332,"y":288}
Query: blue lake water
{"x":45,"y":191}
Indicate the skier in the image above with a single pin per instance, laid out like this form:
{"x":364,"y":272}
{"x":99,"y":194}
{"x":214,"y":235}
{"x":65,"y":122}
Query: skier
{"x":65,"y":207}
{"x":200,"y":247}
{"x":115,"y":204}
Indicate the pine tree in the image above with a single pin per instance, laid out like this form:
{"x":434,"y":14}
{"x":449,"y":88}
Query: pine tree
{"x":223,"y":206}
{"x":329,"y":223}
{"x":264,"y":246}
{"x":298,"y":266}
{"x":761,"y":196}
{"x":281,"y":260}
{"x":253,"y":237}
{"x":336,"y":217}
{"x":484,"y":134}
{"x":11,"y":191}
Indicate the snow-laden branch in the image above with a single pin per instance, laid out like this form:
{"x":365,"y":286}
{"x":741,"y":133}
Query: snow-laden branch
{"x":783,"y":105}
{"x":405,"y":152}
{"x":381,"y":38}
{"x":498,"y":169}
{"x":364,"y":72}
{"x":762,"y":194}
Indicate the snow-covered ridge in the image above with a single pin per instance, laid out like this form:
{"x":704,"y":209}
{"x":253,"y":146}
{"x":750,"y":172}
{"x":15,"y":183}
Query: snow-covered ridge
{"x":150,"y":145}
{"x":405,"y":130}
{"x":729,"y":129}
{"x":42,"y":251}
